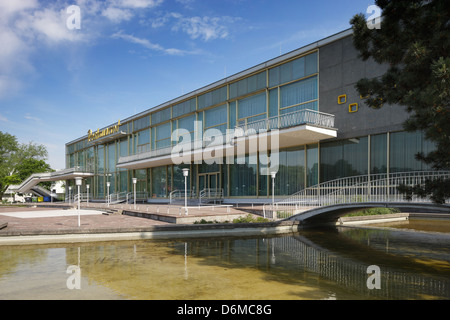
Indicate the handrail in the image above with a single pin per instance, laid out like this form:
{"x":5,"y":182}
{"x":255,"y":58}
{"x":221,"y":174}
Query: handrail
{"x":180,"y":194}
{"x":140,"y":195}
{"x":364,"y":188}
{"x":305,"y":116}
{"x":117,"y":197}
{"x":211,"y":194}
{"x":83,"y":197}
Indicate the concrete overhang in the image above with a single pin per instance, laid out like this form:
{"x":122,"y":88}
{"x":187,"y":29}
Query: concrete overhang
{"x":67,"y":174}
{"x":238,"y":146}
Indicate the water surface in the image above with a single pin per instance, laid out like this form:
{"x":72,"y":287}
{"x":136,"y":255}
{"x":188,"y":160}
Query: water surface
{"x":311,"y":264}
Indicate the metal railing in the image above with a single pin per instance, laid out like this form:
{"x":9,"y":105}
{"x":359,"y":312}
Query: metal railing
{"x":287,"y":120}
{"x":35,"y":178}
{"x":180,"y":195}
{"x":84,"y":197}
{"x":211,"y":194}
{"x":358,"y":189}
{"x":117,"y":197}
{"x":140,"y":196}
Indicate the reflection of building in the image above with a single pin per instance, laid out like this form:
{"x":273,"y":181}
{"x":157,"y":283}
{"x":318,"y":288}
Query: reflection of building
{"x":325,"y":131}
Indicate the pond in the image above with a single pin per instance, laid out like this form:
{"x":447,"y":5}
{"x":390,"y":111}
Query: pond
{"x":313,"y":264}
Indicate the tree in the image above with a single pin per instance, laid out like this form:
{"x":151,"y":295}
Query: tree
{"x":13,"y":156}
{"x":414,"y":41}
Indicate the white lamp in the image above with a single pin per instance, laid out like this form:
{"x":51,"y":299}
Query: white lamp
{"x":78,"y":181}
{"x":108,"y":184}
{"x":273,"y":174}
{"x":134,"y":188}
{"x":185,"y":174}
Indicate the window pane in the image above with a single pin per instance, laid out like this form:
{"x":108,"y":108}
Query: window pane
{"x":403,"y":149}
{"x":299,"y":92}
{"x":273,"y":102}
{"x":291,"y":174}
{"x":141,"y":123}
{"x":163,"y":131}
{"x":252,"y":106}
{"x":159,"y":179}
{"x":111,"y":157}
{"x":161,"y":116}
{"x":232,"y":114}
{"x":248,"y":85}
{"x":293,"y":70}
{"x":211,"y":98}
{"x":378,"y":154}
{"x":243,"y":178}
{"x":312,"y":170}
{"x":184,"y":108}
{"x":343,"y":158}
{"x":216,"y":116}
{"x":187,"y":123}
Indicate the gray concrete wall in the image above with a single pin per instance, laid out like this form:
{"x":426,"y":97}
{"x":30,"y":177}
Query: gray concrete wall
{"x":340,"y":70}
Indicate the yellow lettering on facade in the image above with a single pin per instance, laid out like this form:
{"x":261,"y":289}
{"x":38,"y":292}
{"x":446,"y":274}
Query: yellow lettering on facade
{"x":105,"y":132}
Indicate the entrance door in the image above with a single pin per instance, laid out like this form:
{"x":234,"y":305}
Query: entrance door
{"x":209,"y":181}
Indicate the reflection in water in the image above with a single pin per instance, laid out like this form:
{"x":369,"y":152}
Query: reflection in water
{"x":311,"y":264}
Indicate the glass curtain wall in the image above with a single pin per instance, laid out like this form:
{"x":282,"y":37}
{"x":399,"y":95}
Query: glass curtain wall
{"x":243,"y":177}
{"x":403,"y":149}
{"x":291,"y":174}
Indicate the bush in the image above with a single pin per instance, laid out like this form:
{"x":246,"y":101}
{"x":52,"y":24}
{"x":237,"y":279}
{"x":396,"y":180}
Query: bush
{"x":250,"y":219}
{"x":372,"y":212}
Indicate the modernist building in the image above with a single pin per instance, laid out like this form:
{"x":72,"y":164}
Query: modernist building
{"x":306,"y":97}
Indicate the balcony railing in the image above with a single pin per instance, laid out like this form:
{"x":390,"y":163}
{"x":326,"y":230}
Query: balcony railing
{"x":287,"y":120}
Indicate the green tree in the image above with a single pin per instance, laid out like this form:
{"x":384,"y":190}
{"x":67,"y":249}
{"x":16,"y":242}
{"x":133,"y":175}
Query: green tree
{"x":14,"y":156}
{"x":414,"y":42}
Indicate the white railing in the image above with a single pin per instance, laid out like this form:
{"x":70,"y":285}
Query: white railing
{"x":84,"y":197}
{"x":180,"y":195}
{"x":35,"y":178}
{"x":211,"y":194}
{"x":287,"y":120}
{"x":117,"y":197}
{"x":140,"y":196}
{"x":366,"y":188}
{"x":296,"y":118}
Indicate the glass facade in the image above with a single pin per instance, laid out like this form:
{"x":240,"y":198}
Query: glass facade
{"x":281,"y":89}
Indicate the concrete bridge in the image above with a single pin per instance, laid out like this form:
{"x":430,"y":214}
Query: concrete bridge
{"x":328,"y":201}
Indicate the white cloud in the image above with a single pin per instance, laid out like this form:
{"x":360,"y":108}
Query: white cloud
{"x":205,"y":28}
{"x":32,"y":118}
{"x":139,"y":3}
{"x":143,"y":42}
{"x":2,"y":118}
{"x":117,"y":15}
{"x":151,"y":46}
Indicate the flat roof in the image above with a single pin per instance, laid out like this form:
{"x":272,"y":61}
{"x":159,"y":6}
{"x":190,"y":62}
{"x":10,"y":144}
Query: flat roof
{"x":232,"y":78}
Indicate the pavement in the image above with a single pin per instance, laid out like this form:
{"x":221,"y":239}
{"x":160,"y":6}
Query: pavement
{"x":26,"y":219}
{"x":44,"y":225}
{"x":39,"y":219}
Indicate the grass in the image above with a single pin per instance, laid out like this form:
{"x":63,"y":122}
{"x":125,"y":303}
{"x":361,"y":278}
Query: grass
{"x":247,"y":219}
{"x":372,"y":212}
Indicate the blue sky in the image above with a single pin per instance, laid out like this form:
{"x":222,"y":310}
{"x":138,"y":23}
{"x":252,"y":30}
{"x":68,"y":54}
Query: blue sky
{"x":56,"y":82}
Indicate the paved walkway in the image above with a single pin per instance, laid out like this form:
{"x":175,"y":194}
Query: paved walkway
{"x":40,"y":219}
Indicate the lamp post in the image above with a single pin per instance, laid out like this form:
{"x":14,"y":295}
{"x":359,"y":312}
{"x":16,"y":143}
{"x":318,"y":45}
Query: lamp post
{"x":185,"y":174}
{"x":108,"y":184}
{"x":273,"y":174}
{"x":87,"y":188}
{"x":78,"y":182}
{"x":134,"y":188}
